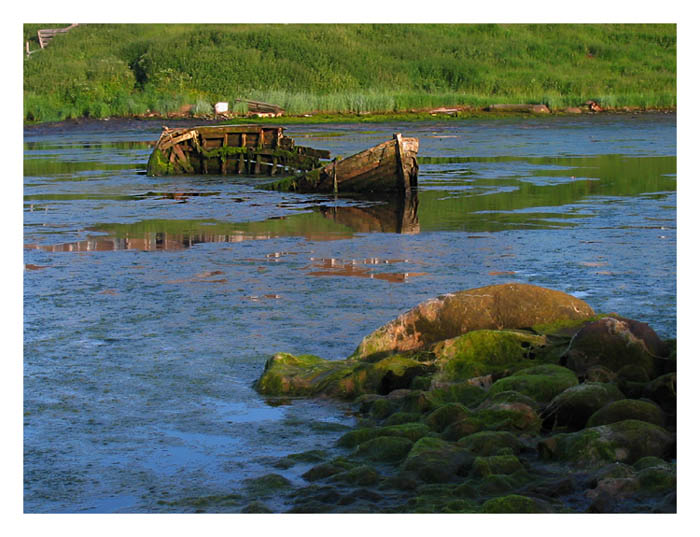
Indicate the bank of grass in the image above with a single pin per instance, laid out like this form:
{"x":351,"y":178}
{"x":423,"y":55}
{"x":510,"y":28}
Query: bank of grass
{"x":123,"y":70}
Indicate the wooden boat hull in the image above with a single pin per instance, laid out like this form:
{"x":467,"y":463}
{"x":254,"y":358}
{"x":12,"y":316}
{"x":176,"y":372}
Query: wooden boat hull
{"x":390,"y":167}
{"x":231,"y":149}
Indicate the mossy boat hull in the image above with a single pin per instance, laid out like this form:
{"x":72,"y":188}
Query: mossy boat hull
{"x":231,"y":149}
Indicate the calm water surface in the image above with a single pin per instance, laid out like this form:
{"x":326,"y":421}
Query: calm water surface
{"x":151,"y":304}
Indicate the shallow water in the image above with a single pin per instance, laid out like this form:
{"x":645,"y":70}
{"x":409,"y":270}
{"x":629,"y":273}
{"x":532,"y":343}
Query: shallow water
{"x":151,"y":304}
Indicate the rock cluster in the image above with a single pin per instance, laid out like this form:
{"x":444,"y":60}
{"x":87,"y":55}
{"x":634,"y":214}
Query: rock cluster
{"x":508,"y":398}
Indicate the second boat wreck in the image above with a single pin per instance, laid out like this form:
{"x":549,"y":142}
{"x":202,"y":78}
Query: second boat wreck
{"x":390,"y":167}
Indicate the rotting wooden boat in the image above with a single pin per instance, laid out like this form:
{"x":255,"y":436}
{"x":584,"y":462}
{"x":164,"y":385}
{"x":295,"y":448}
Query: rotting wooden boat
{"x":231,"y":149}
{"x":390,"y":167}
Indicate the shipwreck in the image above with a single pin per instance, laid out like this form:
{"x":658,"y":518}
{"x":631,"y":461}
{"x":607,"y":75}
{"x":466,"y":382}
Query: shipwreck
{"x":390,"y":167}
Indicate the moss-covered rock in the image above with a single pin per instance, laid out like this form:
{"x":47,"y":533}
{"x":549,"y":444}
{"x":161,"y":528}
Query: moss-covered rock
{"x":322,"y":471}
{"x":571,"y":408}
{"x":495,"y":307}
{"x":615,"y":343}
{"x":496,"y":464}
{"x":412,"y":431}
{"x":464,"y":393}
{"x":445,"y":415}
{"x":513,"y":503}
{"x":486,"y":443}
{"x":514,"y":417}
{"x":286,"y":374}
{"x":267,"y":484}
{"x":542,"y":383}
{"x":461,"y":428}
{"x":256,"y":507}
{"x":362,"y":475}
{"x":628,"y":409}
{"x":624,"y":441}
{"x":399,"y":418}
{"x":436,"y":461}
{"x":484,"y":352}
{"x":656,"y":479}
{"x":662,"y":390}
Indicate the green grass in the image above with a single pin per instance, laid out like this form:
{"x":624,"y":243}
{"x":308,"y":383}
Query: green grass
{"x":99,"y":70}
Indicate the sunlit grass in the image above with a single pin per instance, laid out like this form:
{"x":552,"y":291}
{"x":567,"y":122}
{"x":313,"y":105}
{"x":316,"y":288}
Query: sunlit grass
{"x":113,"y":69}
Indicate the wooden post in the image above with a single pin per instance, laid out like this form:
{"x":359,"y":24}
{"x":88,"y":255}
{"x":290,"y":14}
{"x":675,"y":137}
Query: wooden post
{"x":404,"y":182}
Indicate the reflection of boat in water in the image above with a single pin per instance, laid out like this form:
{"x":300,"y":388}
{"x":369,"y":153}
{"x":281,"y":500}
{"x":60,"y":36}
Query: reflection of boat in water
{"x":395,"y":216}
{"x":390,"y":167}
{"x":321,"y":223}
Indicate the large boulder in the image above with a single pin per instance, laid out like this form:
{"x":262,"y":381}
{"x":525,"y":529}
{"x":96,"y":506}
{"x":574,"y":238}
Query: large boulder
{"x":615,"y":343}
{"x":495,"y":307}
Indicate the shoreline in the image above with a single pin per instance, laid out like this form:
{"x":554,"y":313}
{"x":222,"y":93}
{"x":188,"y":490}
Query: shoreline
{"x":455,"y":113}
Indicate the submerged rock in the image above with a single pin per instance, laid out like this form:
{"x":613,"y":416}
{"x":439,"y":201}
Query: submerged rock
{"x":494,"y":307}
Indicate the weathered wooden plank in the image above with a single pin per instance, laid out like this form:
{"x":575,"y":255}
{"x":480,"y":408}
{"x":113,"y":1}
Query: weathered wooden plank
{"x":401,"y":174}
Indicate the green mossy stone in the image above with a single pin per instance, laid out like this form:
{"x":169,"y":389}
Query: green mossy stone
{"x":657,"y":479}
{"x":461,"y":428}
{"x":624,"y":441}
{"x":466,"y":490}
{"x":496,"y":464}
{"x":256,"y":508}
{"x":484,"y":352}
{"x":572,"y":407}
{"x":358,"y":436}
{"x":447,"y":414}
{"x":412,"y":431}
{"x":542,"y":383}
{"x":399,"y":418}
{"x":382,"y":408}
{"x":497,"y":484}
{"x":363,"y":476}
{"x":313,"y":455}
{"x":421,"y":382}
{"x":486,"y":443}
{"x":385,"y":448}
{"x":436,"y":461}
{"x":627,"y":409}
{"x":508,"y":396}
{"x":651,"y":462}
{"x":514,"y":417}
{"x":463,"y":393}
{"x":267,"y":484}
{"x":322,"y":471}
{"x":513,"y":503}
{"x":662,"y":390}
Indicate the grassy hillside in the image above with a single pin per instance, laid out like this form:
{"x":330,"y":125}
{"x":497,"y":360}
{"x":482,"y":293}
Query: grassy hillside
{"x":124,"y":69}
